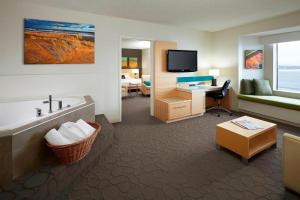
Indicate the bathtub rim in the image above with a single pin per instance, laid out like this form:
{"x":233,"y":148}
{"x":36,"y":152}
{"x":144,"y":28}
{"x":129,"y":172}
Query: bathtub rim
{"x":10,"y":132}
{"x":14,"y":100}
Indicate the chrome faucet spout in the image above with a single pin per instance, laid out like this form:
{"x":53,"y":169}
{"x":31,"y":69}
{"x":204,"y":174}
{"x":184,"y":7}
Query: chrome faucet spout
{"x":50,"y":103}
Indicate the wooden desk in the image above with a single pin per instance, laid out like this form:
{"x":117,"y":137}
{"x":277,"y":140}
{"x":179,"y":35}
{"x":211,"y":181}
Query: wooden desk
{"x":209,"y":102}
{"x":173,"y":108}
{"x":197,"y":100}
{"x":201,"y":88}
{"x":187,"y":103}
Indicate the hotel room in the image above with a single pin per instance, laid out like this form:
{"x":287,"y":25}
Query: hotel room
{"x":129,"y":99}
{"x":136,"y":59}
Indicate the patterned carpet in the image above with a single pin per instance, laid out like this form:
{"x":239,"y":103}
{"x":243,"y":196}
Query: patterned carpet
{"x":154,"y":160}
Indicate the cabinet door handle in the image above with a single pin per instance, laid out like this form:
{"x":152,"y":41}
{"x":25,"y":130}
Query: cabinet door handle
{"x":177,"y":107}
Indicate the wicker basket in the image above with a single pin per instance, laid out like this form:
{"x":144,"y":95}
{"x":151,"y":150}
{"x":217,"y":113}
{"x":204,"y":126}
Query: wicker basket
{"x":72,"y":153}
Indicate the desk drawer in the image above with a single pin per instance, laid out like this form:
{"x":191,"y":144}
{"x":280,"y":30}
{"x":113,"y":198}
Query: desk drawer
{"x":178,"y":110}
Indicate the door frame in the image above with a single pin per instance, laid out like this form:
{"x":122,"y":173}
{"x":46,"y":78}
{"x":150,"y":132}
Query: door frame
{"x":151,"y":60}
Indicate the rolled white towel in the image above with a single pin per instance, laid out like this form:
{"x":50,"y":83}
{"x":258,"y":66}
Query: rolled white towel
{"x":87,"y":129}
{"x":55,"y":138}
{"x":72,"y":131}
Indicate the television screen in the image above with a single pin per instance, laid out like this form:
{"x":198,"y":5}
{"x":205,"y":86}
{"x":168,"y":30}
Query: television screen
{"x":182,"y":61}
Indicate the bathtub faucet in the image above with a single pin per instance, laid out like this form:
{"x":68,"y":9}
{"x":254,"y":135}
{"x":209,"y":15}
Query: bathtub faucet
{"x":50,"y":103}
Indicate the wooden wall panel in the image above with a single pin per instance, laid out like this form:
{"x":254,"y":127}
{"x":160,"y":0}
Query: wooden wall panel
{"x":163,"y":78}
{"x":164,"y":83}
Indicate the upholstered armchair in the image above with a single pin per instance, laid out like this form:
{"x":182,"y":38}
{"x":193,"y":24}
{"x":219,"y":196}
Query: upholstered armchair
{"x":124,"y":91}
{"x":291,"y":162}
{"x":146,"y":85}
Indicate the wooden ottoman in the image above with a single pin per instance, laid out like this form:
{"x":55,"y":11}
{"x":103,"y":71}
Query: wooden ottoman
{"x":244,"y":142}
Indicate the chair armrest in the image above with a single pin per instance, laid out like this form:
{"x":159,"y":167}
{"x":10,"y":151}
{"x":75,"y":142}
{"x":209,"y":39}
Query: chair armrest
{"x":292,"y":137}
{"x":291,"y":162}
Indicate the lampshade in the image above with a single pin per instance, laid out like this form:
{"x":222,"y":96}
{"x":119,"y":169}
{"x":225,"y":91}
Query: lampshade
{"x":135,"y":71}
{"x":214,"y":72}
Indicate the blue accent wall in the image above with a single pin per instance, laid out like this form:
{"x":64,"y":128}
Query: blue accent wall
{"x":194,"y":79}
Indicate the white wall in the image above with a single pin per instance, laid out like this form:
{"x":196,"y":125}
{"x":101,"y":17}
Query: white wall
{"x":249,"y":43}
{"x":146,"y":61}
{"x":100,"y":80}
{"x":225,"y":44}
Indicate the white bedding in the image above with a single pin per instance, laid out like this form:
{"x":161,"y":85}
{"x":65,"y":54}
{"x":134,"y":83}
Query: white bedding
{"x":128,"y":81}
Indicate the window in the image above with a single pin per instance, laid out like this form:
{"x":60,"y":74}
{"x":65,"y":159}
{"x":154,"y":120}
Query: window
{"x":288,"y":66}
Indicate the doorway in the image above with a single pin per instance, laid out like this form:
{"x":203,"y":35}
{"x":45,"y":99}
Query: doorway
{"x":136,"y":74}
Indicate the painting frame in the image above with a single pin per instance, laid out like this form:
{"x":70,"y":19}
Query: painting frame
{"x":57,"y":42}
{"x":253,"y":59}
{"x":124,"y":61}
{"x":133,"y":62}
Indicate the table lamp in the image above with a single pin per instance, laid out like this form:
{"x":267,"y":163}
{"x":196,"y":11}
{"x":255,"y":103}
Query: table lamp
{"x":215,"y":73}
{"x":135,"y":72}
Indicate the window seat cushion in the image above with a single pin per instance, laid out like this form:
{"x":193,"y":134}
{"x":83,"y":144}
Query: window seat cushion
{"x":283,"y":102}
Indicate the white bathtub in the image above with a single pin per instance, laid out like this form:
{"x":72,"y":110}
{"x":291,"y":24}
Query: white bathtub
{"x":17,"y":114}
{"x":22,"y":132}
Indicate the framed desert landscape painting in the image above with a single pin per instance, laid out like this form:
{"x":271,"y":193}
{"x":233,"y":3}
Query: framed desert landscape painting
{"x":133,"y":62}
{"x":254,"y":59}
{"x":124,"y":62}
{"x":52,"y":42}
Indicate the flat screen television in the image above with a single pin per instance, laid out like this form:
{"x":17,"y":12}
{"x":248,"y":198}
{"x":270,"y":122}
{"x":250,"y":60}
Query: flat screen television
{"x":182,"y":61}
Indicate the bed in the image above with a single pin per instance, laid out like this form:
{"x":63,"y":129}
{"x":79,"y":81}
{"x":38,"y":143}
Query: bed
{"x":131,"y":81}
{"x":128,"y":83}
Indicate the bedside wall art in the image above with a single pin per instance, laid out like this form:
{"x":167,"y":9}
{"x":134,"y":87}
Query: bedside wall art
{"x":133,"y":62}
{"x":124,"y":62}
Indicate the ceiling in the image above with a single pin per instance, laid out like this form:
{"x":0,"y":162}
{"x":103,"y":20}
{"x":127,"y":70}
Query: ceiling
{"x":209,"y":15}
{"x":135,"y":44}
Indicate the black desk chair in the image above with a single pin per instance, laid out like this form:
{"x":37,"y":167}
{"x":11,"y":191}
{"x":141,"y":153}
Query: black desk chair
{"x":219,"y":96}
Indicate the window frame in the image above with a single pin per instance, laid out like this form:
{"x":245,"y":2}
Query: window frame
{"x":275,"y":72}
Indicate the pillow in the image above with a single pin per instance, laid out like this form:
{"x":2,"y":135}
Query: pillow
{"x":147,"y":83}
{"x":262,"y":87}
{"x":247,"y":87}
{"x":127,"y":75}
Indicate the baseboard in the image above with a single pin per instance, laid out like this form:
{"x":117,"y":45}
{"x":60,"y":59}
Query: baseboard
{"x":183,"y":118}
{"x":270,"y":118}
{"x":283,"y":115}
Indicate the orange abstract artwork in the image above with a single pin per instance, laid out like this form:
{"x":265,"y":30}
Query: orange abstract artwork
{"x":51,"y":42}
{"x":253,"y":59}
